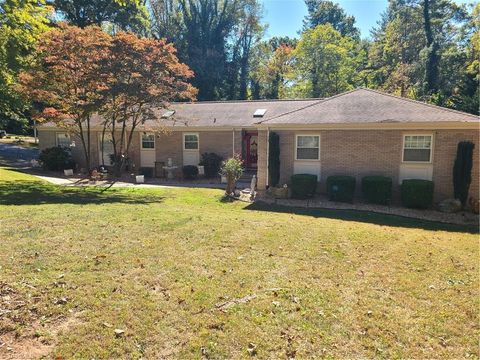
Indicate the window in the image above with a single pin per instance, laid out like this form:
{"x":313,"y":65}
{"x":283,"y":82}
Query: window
{"x":63,"y":140}
{"x":190,"y":141}
{"x":417,"y":148}
{"x":148,"y":141}
{"x":308,"y":147}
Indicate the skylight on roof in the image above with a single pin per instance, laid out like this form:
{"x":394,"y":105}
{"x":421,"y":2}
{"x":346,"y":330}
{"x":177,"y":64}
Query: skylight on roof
{"x":167,"y":114}
{"x":259,"y":112}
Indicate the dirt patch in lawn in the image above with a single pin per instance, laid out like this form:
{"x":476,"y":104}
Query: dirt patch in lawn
{"x":24,"y":332}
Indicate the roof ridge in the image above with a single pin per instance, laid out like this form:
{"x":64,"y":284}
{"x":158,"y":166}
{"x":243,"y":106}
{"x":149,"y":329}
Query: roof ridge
{"x":417,"y":101}
{"x":241,"y":101}
{"x":309,"y":105}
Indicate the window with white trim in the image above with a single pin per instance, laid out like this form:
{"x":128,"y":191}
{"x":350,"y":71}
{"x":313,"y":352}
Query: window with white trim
{"x":308,"y":147}
{"x":148,"y":141}
{"x":63,"y":140}
{"x":190,"y":141}
{"x":417,"y":148}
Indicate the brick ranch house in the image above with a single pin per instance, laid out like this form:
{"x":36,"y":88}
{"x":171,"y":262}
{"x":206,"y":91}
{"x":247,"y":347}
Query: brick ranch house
{"x":360,"y":132}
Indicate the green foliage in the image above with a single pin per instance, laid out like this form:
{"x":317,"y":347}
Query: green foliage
{"x":190,"y":172}
{"x":377,"y":189}
{"x":462,"y":171}
{"x":321,"y":12}
{"x":56,"y":158}
{"x":212,"y":163}
{"x":416,"y":193}
{"x":232,"y":168}
{"x":341,"y":188}
{"x":22,"y":22}
{"x":326,"y":63}
{"x":303,"y":185}
{"x":128,"y":15}
{"x":273,"y":159}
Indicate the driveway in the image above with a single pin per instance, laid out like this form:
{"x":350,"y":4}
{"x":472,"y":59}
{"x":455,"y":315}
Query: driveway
{"x":17,"y":155}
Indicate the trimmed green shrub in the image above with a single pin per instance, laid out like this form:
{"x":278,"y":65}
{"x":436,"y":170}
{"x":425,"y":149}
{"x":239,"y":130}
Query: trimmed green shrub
{"x":303,"y":185}
{"x":417,"y":194}
{"x":56,"y":158}
{"x":190,"y":172}
{"x":341,"y":188}
{"x":211,"y":162}
{"x":377,"y":189}
{"x":462,"y":170}
{"x":146,"y":171}
{"x":273,"y":159}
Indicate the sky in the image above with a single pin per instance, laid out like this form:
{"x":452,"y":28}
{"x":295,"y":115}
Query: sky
{"x":285,"y":17}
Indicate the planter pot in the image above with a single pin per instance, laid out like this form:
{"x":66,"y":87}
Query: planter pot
{"x":140,"y":179}
{"x":279,"y":192}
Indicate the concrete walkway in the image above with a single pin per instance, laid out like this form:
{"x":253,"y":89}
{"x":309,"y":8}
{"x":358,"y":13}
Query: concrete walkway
{"x":82,"y":182}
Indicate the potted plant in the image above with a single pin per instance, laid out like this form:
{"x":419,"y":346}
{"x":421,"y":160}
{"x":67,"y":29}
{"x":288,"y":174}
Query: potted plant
{"x":232,"y":169}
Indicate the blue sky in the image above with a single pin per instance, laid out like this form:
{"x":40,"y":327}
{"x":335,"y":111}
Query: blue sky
{"x":285,"y":16}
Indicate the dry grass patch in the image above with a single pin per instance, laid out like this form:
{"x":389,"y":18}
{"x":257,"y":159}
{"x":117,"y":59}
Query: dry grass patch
{"x":185,"y":275}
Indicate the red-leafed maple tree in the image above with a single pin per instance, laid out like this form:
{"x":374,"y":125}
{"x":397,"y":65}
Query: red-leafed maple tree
{"x":124,"y":78}
{"x":67,"y":79}
{"x":142,"y":76}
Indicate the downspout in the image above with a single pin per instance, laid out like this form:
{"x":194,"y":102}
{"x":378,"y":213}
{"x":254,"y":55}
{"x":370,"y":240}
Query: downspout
{"x":233,"y":142}
{"x":268,"y":154}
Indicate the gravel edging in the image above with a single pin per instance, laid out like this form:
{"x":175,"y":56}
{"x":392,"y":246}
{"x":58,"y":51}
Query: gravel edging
{"x":461,"y":218}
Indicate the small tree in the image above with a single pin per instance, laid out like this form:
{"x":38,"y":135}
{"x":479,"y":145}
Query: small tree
{"x":143,"y":75}
{"x":232,"y":169}
{"x":67,"y":79}
{"x":273,"y":159}
{"x":462,"y":171}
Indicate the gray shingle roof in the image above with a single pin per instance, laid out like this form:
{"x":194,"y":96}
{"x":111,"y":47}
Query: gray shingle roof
{"x":370,"y":106}
{"x":232,"y":113}
{"x":360,"y":106}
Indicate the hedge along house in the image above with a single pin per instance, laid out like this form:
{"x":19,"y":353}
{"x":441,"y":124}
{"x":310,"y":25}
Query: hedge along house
{"x":357,"y":133}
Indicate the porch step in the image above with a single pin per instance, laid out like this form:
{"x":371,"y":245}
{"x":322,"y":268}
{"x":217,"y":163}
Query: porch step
{"x":247,"y":176}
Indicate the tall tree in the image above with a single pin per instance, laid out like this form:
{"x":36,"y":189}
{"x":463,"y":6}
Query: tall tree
{"x":142,"y":76}
{"x":272,"y":68}
{"x":247,"y":33}
{"x":129,"y":15}
{"x":68,"y":78}
{"x":326,"y":63}
{"x":22,"y":22}
{"x":321,"y":12}
{"x":214,"y":37}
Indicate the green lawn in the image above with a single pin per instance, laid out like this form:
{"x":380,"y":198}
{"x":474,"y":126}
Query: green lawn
{"x":168,"y":267}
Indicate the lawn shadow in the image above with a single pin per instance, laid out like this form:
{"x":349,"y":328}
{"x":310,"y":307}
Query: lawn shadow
{"x":365,"y":217}
{"x":36,"y":193}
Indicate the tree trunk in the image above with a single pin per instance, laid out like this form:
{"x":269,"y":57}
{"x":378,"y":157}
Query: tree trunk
{"x":432,"y":58}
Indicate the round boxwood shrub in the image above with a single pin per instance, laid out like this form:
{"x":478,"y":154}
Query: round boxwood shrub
{"x":341,"y":188}
{"x":416,"y":193}
{"x":211,"y":162}
{"x":190,"y":172}
{"x":377,"y":189}
{"x":303,"y":185}
{"x":56,"y":158}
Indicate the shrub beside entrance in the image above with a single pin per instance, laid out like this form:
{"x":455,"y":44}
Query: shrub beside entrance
{"x":417,"y":194}
{"x":377,"y":189}
{"x":303,"y":185}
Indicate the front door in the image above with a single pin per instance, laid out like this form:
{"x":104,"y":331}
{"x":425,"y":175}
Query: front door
{"x":251,"y":147}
